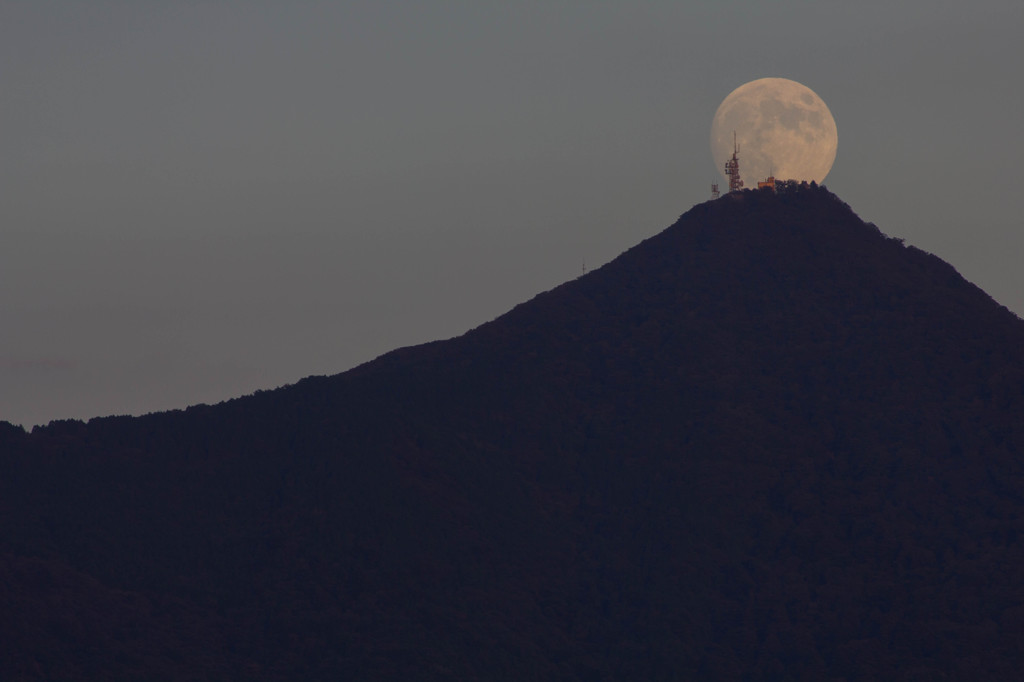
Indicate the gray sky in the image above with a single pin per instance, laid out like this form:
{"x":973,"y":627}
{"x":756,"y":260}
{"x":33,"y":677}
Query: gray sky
{"x":202,"y":199}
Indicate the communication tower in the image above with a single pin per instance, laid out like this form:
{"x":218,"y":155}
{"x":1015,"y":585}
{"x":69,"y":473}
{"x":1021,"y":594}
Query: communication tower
{"x":714,"y":191}
{"x":732,"y":167}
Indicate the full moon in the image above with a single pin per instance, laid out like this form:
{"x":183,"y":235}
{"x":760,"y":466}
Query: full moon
{"x":782,"y":128}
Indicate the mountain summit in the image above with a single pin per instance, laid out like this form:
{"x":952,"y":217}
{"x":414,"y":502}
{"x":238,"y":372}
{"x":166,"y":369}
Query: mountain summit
{"x":768,"y":443}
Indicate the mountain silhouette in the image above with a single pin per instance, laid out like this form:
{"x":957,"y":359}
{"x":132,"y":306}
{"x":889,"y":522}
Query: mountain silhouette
{"x":767,"y":443}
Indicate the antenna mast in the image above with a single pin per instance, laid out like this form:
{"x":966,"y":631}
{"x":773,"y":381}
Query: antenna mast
{"x":732,"y":167}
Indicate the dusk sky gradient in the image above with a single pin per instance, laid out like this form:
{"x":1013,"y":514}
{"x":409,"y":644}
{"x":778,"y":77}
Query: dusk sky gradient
{"x":203,"y":199}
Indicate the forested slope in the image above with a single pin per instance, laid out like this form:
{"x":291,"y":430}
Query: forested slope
{"x":767,"y":443}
